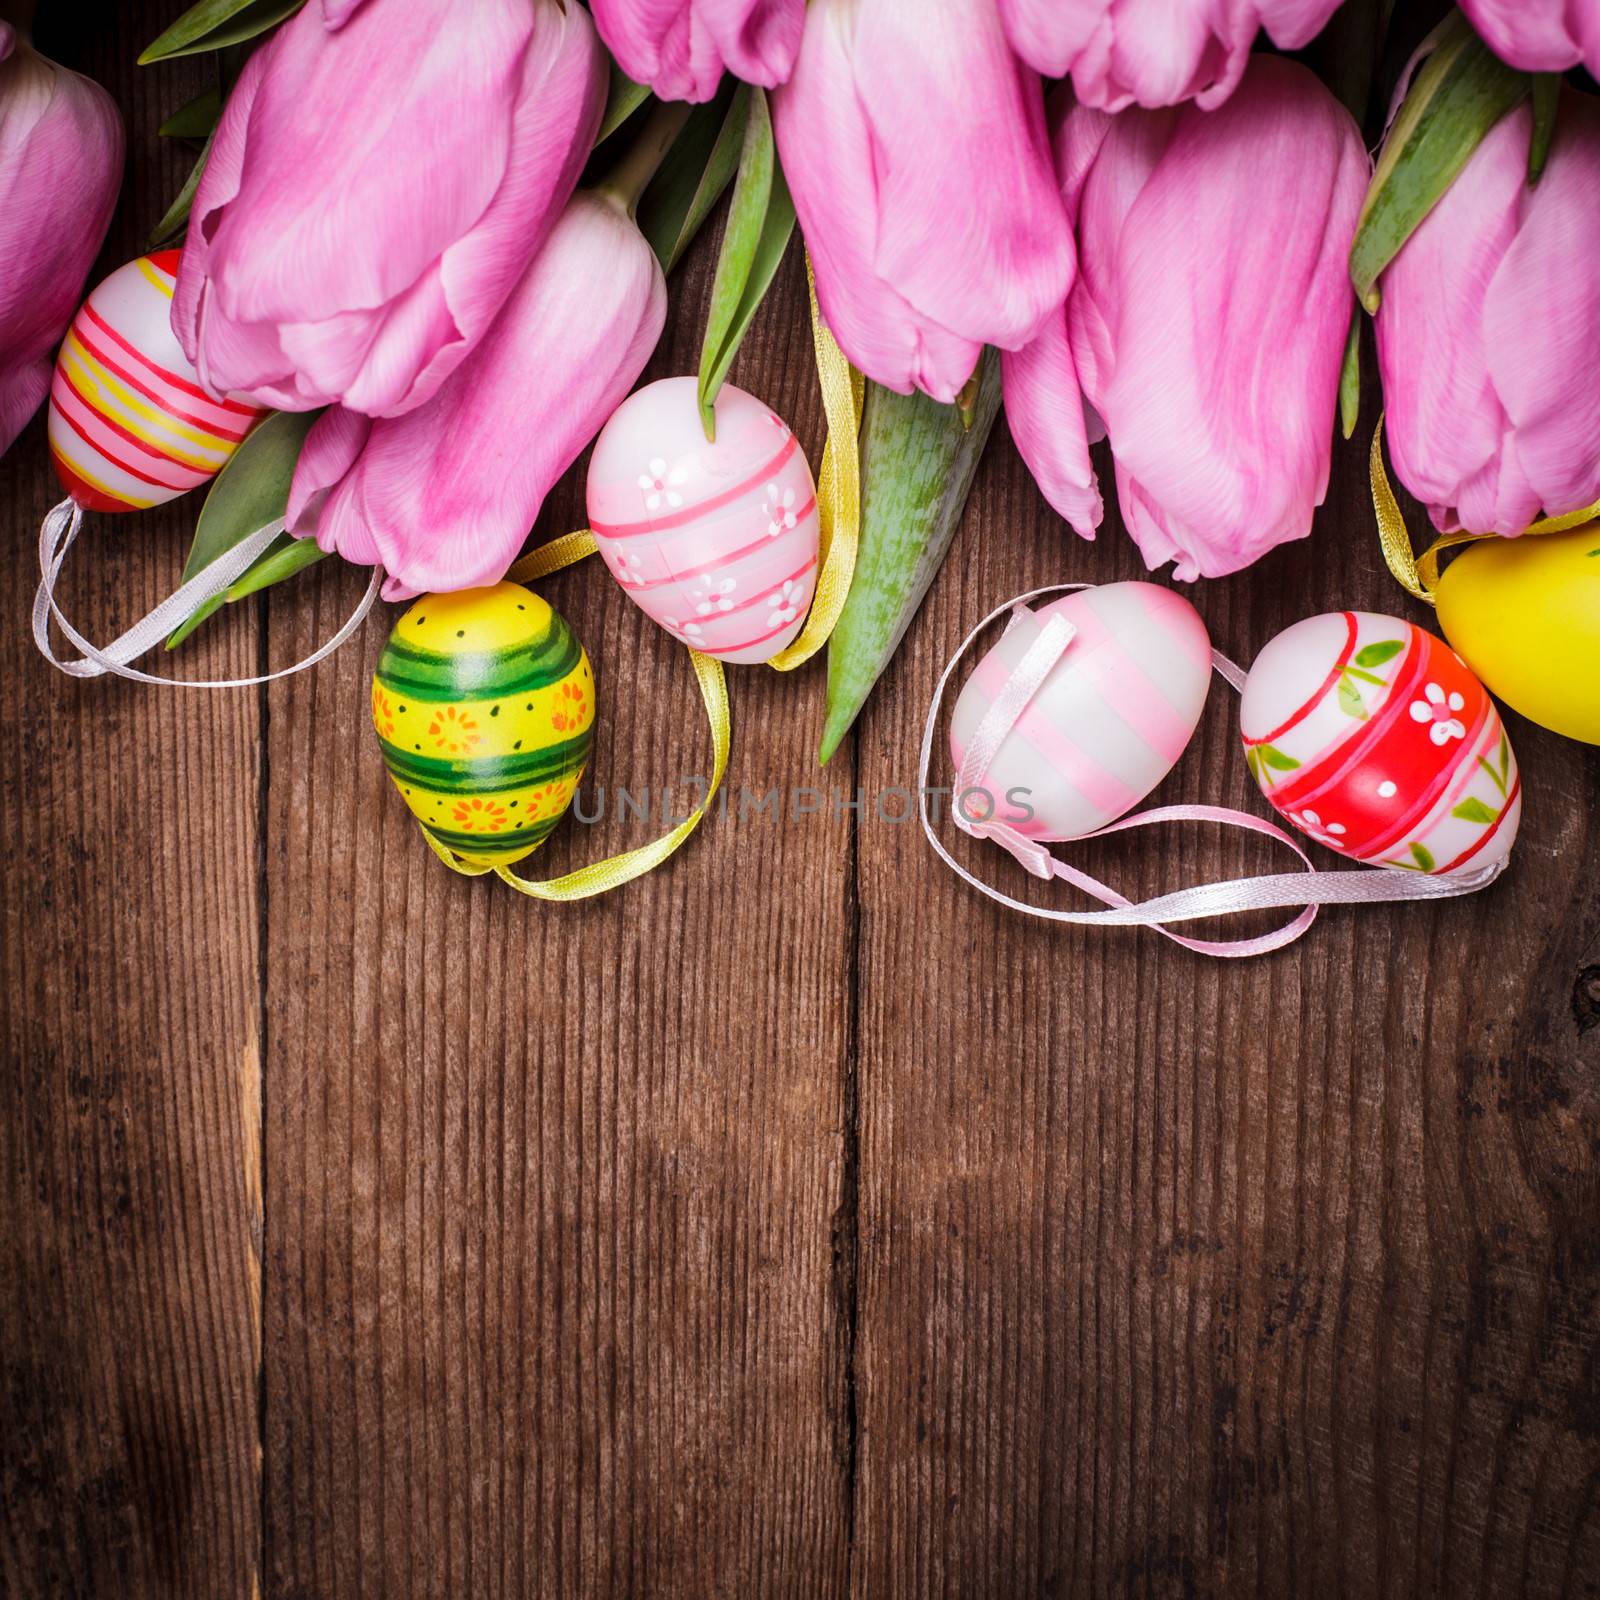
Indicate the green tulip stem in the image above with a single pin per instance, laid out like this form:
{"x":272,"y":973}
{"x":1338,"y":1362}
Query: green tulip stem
{"x":627,"y":180}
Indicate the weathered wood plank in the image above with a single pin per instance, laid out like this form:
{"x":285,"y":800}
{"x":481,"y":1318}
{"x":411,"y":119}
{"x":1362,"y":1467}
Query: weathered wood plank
{"x":1187,"y":1277}
{"x":550,"y":1300}
{"x":129,"y":1145}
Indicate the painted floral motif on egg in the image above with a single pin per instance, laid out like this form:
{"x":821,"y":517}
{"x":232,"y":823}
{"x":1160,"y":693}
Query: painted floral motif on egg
{"x":715,"y":540}
{"x":129,"y":424}
{"x":1371,"y":736}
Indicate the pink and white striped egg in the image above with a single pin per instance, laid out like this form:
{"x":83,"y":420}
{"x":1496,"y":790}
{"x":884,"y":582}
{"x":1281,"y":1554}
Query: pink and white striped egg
{"x":1107,"y":724}
{"x":130,"y":425}
{"x":1372,"y":736}
{"x":716,"y":541}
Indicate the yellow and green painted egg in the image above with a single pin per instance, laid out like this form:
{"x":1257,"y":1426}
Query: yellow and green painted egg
{"x":483,"y":702}
{"x":1524,"y":614}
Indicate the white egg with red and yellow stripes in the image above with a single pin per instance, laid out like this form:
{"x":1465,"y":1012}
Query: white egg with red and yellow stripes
{"x":1107,"y":723}
{"x":130,"y":426}
{"x":714,"y":539}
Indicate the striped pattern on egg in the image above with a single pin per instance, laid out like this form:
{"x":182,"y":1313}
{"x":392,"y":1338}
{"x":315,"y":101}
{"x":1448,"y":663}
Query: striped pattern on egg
{"x":483,"y":702}
{"x":1372,"y":736}
{"x":129,"y":424}
{"x":1110,"y":719}
{"x":716,"y":541}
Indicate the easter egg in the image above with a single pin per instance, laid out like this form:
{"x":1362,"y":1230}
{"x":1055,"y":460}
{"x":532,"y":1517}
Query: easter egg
{"x":129,"y":424}
{"x":1370,"y":735}
{"x":1525,"y":615}
{"x":1108,"y":722}
{"x":483,"y":702}
{"x":716,"y":541}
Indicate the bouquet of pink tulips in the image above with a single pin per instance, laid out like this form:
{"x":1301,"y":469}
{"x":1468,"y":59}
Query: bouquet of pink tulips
{"x":444,"y":231}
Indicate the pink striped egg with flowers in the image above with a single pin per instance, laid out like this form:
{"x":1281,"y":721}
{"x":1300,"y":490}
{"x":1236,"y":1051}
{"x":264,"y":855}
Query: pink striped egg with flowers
{"x":130,"y":425}
{"x":714,"y":539}
{"x":1373,"y":737}
{"x":1108,"y":722}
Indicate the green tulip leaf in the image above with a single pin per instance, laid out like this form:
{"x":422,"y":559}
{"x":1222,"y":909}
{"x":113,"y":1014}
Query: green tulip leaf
{"x":283,"y":558}
{"x":624,"y":98}
{"x":215,"y":23}
{"x":760,"y":223}
{"x":1546,"y":99}
{"x":1350,"y":377}
{"x":1460,"y":91}
{"x":251,"y":490}
{"x":196,"y":119}
{"x":167,"y":230}
{"x":918,"y":460}
{"x":690,"y":181}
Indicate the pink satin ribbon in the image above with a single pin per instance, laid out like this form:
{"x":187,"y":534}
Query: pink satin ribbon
{"x":1308,"y":889}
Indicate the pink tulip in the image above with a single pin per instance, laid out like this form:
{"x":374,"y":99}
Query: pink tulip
{"x":60,"y":165}
{"x":680,"y":47}
{"x":444,"y":496}
{"x":1539,"y":35}
{"x":1155,"y":52}
{"x":914,"y":144}
{"x":1489,"y":332}
{"x":1208,"y":322}
{"x":383,"y":173}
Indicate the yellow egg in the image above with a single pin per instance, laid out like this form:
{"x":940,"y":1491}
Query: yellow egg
{"x":483,"y":703}
{"x":1524,"y":614}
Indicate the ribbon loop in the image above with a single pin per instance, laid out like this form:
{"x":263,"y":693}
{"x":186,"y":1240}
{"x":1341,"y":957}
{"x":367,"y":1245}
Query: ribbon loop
{"x":56,"y":535}
{"x":838,"y":491}
{"x":1274,"y":891}
{"x":617,"y":870}
{"x":1419,"y":574}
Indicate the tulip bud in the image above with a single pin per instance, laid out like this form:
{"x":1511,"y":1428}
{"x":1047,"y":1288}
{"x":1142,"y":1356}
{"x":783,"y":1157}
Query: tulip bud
{"x":1208,"y":323}
{"x":915,"y":148}
{"x":680,"y":47}
{"x":60,"y":165}
{"x":1489,"y":328}
{"x":382,"y":174}
{"x":444,"y":496}
{"x":1539,"y":35}
{"x":1127,"y":52}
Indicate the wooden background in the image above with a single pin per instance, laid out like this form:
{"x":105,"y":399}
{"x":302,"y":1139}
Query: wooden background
{"x":793,"y":1222}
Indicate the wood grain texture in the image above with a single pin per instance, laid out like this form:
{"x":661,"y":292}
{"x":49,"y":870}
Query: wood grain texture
{"x":792,"y":1222}
{"x":550,"y":1191}
{"x":128,"y":1430}
{"x":1186,"y":1277}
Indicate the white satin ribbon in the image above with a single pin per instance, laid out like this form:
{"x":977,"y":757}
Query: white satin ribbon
{"x":60,"y":528}
{"x":1308,"y":889}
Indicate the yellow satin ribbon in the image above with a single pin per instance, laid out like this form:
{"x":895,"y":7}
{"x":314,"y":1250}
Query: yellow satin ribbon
{"x":1420,"y":574}
{"x":838,"y":491}
{"x":839,"y":519}
{"x":615,"y":871}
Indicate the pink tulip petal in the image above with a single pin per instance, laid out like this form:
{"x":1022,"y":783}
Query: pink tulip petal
{"x":992,"y":185}
{"x":444,"y":496}
{"x":1541,"y":318}
{"x":1154,"y":52}
{"x":443,"y":155}
{"x":929,"y":240}
{"x":332,"y":447}
{"x":1044,"y":407}
{"x":1209,"y":320}
{"x":1445,"y":423}
{"x":680,"y":47}
{"x":60,"y":164}
{"x":1539,"y":35}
